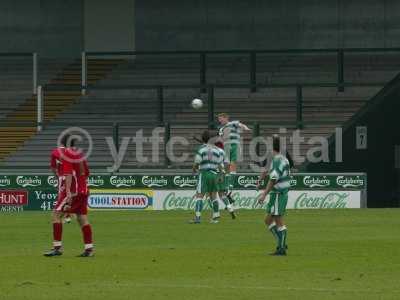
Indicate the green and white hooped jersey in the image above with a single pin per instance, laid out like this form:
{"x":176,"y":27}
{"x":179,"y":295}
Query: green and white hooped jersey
{"x":209,"y":158}
{"x":234,"y":132}
{"x":224,"y":156}
{"x":225,"y":159}
{"x":280,"y":171}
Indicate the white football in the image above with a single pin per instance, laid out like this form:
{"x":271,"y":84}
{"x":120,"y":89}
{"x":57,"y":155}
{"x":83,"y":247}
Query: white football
{"x":197,"y":103}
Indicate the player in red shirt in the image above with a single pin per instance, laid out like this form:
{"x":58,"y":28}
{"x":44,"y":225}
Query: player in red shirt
{"x":55,"y":167}
{"x":55,"y":159}
{"x":72,"y":198}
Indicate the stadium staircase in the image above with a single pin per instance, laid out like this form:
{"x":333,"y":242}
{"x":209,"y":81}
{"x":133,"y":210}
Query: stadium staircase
{"x":18,"y":124}
{"x":324,"y":108}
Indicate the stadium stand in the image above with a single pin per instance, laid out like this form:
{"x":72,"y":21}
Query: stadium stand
{"x":324,"y":107}
{"x":17,"y":123}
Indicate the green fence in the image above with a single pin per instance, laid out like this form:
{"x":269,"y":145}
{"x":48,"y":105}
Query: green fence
{"x":252,"y":55}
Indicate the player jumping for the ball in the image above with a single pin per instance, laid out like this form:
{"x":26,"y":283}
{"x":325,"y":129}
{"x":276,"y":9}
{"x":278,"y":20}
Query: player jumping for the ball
{"x":278,"y":187}
{"x":72,"y":197}
{"x":230,"y":134}
{"x":209,"y":160}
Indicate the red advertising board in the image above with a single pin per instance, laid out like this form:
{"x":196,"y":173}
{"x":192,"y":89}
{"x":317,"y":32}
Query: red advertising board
{"x":13,"y":197}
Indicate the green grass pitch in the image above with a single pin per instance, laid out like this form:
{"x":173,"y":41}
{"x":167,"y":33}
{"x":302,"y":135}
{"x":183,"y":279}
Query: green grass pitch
{"x":333,"y":254}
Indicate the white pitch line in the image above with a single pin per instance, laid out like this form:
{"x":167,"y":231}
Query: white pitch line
{"x":241,"y":287}
{"x":269,"y":288}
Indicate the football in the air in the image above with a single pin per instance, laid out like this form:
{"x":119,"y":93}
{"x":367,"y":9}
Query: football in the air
{"x":197,"y":103}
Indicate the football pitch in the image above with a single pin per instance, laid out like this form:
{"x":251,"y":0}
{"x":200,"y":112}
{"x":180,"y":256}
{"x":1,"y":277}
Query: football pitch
{"x":333,"y":254}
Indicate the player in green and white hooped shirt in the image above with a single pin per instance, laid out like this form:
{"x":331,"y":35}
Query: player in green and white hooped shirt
{"x":229,"y":132}
{"x":208,"y":162}
{"x":278,"y":187}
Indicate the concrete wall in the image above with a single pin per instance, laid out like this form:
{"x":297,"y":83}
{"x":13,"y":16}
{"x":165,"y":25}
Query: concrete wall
{"x":55,"y":27}
{"x":109,"y":25}
{"x":50,"y":27}
{"x":224,"y":24}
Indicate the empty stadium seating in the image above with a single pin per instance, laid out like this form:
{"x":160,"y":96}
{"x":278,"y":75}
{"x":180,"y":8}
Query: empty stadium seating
{"x":324,"y":108}
{"x":19,"y":122}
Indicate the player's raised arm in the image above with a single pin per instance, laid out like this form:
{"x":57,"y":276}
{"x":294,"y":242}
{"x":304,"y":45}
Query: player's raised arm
{"x":244,"y":127}
{"x":225,"y":134}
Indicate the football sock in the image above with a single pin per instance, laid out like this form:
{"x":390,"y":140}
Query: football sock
{"x":198,"y":207}
{"x":274,"y":230}
{"x":87,"y":236}
{"x":57,"y":235}
{"x":282,"y":234}
{"x":227,"y":203}
{"x":215,"y":207}
{"x":231,"y":201}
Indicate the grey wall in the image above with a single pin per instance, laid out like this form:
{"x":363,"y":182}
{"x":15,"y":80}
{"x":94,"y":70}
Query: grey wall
{"x":238,"y":24}
{"x":50,"y":27}
{"x":378,"y":160}
{"x":55,"y":27}
{"x":109,"y":25}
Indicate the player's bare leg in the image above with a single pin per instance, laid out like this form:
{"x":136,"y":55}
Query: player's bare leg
{"x":57,"y":235}
{"x":87,"y":235}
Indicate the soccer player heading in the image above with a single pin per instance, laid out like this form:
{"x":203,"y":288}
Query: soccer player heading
{"x":73,"y":194}
{"x":208,"y":162}
{"x":229,"y":132}
{"x":278,"y":188}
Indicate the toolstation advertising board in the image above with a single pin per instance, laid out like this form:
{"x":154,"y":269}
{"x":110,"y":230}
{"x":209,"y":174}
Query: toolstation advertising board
{"x":167,"y":192}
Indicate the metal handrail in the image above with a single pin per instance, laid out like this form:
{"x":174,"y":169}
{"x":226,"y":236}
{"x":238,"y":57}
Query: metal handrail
{"x":74,"y":87}
{"x":252,"y":60}
{"x":242,"y":51}
{"x":16,"y":54}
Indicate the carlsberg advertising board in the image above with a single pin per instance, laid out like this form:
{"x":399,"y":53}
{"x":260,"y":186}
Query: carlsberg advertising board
{"x":172,"y":182}
{"x":175,"y":191}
